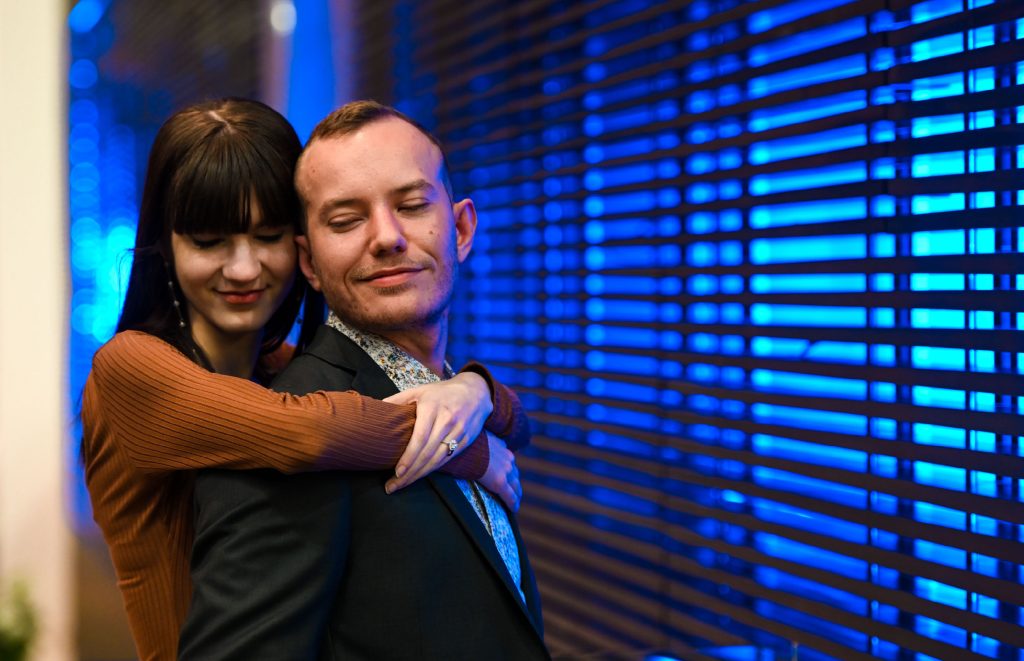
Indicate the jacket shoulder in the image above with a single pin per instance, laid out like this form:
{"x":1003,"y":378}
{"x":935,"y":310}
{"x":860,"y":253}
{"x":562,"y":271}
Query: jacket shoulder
{"x":308,"y":373}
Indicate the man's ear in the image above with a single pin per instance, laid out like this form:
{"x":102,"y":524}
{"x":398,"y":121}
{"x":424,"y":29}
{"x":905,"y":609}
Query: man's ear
{"x":306,"y":261}
{"x":465,"y":227}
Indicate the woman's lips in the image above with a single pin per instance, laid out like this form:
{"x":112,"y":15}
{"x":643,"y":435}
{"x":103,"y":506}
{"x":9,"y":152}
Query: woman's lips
{"x":242,"y":297}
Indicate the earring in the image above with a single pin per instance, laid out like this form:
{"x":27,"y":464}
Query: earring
{"x":189,"y":341}
{"x":177,"y":304}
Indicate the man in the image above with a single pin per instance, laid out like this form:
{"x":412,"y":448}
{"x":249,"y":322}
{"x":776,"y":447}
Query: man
{"x":329,"y":564}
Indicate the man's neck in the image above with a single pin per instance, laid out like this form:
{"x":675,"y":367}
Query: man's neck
{"x":427,"y":344}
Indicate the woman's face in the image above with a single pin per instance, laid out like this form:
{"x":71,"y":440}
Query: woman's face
{"x":233,"y":283}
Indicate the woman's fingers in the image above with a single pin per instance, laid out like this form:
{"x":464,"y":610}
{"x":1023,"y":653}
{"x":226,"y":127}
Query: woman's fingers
{"x":449,"y":415}
{"x":516,"y":488}
{"x":502,"y":476}
{"x":512,"y":493}
{"x":428,"y":461}
{"x":415,"y":452}
{"x":446,"y":439}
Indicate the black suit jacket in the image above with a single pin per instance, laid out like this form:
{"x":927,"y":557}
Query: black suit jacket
{"x":328,"y":565}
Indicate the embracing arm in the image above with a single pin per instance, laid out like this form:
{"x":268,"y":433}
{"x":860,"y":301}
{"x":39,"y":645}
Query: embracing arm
{"x":507,"y":421}
{"x":171,"y":414}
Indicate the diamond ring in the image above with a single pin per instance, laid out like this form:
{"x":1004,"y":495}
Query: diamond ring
{"x":452,"y":445}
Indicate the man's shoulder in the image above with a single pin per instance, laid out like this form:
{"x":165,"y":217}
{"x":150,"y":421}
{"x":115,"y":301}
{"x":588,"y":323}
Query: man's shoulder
{"x":310,"y":372}
{"x":333,"y":362}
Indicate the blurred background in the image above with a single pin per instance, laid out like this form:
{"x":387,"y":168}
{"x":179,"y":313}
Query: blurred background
{"x":754,"y":268}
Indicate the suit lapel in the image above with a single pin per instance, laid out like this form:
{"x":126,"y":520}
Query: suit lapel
{"x":369,"y":379}
{"x":467,"y":517}
{"x":529,"y":582}
{"x":335,"y":348}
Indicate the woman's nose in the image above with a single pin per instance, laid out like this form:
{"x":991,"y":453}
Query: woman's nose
{"x":242,"y":264}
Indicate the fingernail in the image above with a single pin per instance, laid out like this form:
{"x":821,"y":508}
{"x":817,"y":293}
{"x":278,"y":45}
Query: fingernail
{"x":399,"y":470}
{"x":388,"y":489}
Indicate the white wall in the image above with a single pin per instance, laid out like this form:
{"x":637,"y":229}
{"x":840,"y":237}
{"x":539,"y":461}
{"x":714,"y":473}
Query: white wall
{"x":35,"y":539}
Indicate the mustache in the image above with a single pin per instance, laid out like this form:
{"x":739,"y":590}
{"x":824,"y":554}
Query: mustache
{"x":368,"y":272}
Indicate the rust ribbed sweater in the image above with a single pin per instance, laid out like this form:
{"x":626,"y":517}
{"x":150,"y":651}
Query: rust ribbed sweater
{"x":150,"y":416}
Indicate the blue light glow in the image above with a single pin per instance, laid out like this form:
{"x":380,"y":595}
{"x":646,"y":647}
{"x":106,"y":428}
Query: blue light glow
{"x":83,"y":74}
{"x":768,"y":19}
{"x":939,"y":397}
{"x":827,"y":141}
{"x":832,"y":175}
{"x":802,"y":283}
{"x":769,"y":314}
{"x":84,"y":16}
{"x":780,"y":49}
{"x":803,"y":418}
{"x":937,"y":87}
{"x":844,"y":67}
{"x":808,"y":385}
{"x":311,"y":74}
{"x":765,"y":119}
{"x":821,"y":455}
{"x":778,"y":580}
{"x":799,"y":518}
{"x":803,"y":213}
{"x":936,"y":47}
{"x":807,"y":249}
{"x":805,"y":554}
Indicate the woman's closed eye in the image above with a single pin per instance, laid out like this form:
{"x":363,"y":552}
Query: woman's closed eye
{"x":270,"y":237}
{"x":205,"y":241}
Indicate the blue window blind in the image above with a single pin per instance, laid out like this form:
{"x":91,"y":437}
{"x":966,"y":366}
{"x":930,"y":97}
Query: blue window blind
{"x":754,"y":268}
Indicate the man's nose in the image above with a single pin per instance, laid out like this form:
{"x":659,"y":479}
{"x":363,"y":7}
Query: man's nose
{"x":388,"y":235}
{"x":242,"y":264}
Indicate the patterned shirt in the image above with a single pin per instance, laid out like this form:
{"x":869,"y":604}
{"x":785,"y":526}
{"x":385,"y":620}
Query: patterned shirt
{"x":406,"y":372}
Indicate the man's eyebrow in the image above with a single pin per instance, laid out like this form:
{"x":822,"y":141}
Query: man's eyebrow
{"x":335,"y":203}
{"x":413,"y":186}
{"x":340,"y":202}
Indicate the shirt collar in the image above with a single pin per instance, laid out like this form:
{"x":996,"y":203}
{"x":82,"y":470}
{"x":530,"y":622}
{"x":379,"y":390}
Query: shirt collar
{"x":403,"y":370}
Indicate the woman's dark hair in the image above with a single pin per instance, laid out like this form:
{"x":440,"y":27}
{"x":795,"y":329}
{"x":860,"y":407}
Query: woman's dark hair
{"x":210,"y":163}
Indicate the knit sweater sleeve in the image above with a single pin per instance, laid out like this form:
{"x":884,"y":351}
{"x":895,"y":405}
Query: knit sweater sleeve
{"x":508,"y":420}
{"x":170,"y":414}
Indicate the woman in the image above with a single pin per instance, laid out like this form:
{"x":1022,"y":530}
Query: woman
{"x":213,"y":292}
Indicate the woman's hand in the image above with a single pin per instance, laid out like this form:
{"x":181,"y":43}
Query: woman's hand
{"x":453,"y":410}
{"x":502,"y":476}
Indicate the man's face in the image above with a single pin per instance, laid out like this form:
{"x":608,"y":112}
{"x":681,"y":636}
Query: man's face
{"x":383,"y":240}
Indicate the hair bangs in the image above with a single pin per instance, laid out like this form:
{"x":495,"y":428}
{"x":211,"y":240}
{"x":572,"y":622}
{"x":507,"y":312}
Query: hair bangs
{"x":225,"y":184}
{"x":272,"y":189}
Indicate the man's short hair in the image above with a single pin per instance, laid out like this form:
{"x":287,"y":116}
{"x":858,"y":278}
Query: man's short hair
{"x":354,"y":115}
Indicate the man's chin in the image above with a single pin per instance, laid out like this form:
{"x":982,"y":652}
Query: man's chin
{"x":395,"y":290}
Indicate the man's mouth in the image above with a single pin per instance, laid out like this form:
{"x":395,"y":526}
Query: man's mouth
{"x":392,"y":277}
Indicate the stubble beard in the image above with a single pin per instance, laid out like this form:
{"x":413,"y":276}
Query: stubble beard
{"x":385,"y":320}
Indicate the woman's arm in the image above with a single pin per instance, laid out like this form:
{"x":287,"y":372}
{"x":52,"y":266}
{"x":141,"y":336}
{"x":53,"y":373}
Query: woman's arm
{"x":507,"y":420}
{"x":170,"y":414}
{"x":438,"y":421}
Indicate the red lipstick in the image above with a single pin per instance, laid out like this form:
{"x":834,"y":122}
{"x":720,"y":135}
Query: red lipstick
{"x":242,"y":297}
